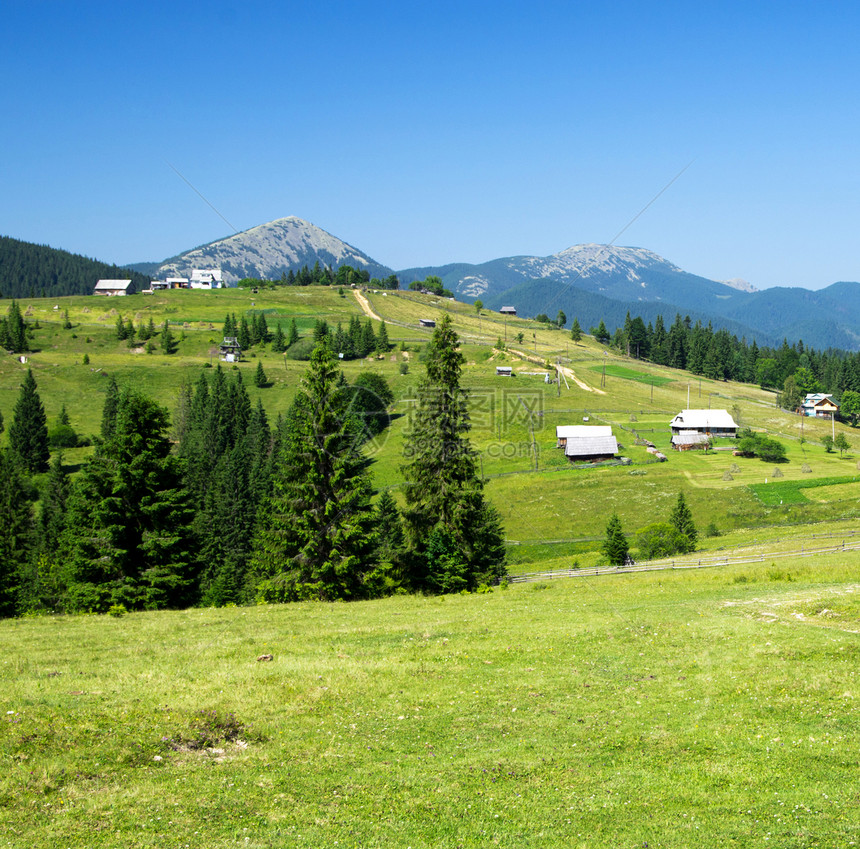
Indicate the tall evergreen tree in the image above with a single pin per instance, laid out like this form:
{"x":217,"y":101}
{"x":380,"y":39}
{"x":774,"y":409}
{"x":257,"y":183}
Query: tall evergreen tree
{"x":293,"y":335}
{"x":15,"y":534}
{"x":615,"y":545}
{"x":455,"y":535}
{"x":28,"y":433}
{"x":128,"y":537}
{"x":53,"y":499}
{"x":382,"y":343}
{"x":279,"y":342}
{"x":260,"y":379}
{"x":575,"y":330}
{"x":315,"y":537}
{"x":109,"y":409}
{"x":168,"y":343}
{"x":243,"y":334}
{"x":681,"y":519}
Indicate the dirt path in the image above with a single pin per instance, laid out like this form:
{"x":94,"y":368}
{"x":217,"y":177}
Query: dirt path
{"x":568,"y":372}
{"x":365,"y":305}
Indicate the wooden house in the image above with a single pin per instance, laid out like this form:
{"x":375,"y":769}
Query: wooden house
{"x":508,"y":310}
{"x":112,"y":288}
{"x":819,"y":406}
{"x":426,"y":322}
{"x":504,"y":371}
{"x":710,"y":422}
{"x":565,"y":432}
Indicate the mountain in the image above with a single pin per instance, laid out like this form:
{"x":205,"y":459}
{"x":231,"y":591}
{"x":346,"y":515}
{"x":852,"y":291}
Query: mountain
{"x":618,"y":279}
{"x":623,"y":274}
{"x":37,"y":271}
{"x":270,"y":250}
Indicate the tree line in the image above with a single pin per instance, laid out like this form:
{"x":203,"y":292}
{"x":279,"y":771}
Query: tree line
{"x":793,"y":370}
{"x":323,"y":275}
{"x":217,"y":505}
{"x":37,"y":271}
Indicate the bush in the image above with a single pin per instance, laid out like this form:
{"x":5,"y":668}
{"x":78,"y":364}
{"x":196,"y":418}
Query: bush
{"x":302,"y":349}
{"x":62,"y":436}
{"x":660,"y":539}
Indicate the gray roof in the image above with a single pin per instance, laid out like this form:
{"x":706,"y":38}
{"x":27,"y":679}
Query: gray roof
{"x":113,"y":284}
{"x":689,"y":437}
{"x":704,"y":420}
{"x":589,"y":446}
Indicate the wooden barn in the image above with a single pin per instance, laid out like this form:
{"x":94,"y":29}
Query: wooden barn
{"x":591,"y":443}
{"x":112,"y":288}
{"x":690,"y":440}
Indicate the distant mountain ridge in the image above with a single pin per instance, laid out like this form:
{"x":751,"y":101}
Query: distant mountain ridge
{"x":646,"y":284}
{"x":268,"y":251}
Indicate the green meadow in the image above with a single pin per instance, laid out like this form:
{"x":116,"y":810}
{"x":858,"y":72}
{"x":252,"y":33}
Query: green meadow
{"x":675,"y":709}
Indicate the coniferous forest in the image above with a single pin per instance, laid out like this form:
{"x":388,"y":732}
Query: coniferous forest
{"x":38,"y":271}
{"x":213,"y":504}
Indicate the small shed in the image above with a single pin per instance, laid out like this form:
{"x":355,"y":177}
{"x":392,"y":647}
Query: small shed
{"x":819,"y":406}
{"x":229,"y":350}
{"x":565,"y":432}
{"x":508,"y":310}
{"x":590,"y":448}
{"x":112,"y":288}
{"x":158,"y":285}
{"x":426,"y":322}
{"x":690,"y":440}
{"x":504,"y":371}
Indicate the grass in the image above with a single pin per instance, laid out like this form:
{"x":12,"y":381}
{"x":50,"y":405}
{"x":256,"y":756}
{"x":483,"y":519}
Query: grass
{"x":615,"y":370}
{"x":791,"y":492}
{"x":678,"y":710}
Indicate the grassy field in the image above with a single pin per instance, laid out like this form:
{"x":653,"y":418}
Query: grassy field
{"x":668,"y":710}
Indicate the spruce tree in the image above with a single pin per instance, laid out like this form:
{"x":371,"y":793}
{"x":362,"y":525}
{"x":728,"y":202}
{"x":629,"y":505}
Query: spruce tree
{"x":128,"y":537}
{"x":243,"y":334}
{"x":293,"y":335}
{"x":109,"y":410}
{"x":168,"y":343}
{"x":260,"y":376}
{"x":15,"y":534}
{"x":382,"y":343}
{"x":368,"y":339}
{"x":28,"y":433}
{"x":315,"y":536}
{"x":15,"y":331}
{"x":279,"y":342}
{"x":681,"y":519}
{"x":576,"y":330}
{"x":615,"y":545}
{"x":121,"y":332}
{"x":53,"y":500}
{"x":455,"y":535}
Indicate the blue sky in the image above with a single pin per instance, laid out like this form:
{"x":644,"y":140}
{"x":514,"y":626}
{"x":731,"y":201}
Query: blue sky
{"x":427,"y":133}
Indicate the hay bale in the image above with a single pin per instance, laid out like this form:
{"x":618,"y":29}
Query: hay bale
{"x":777,"y":472}
{"x":806,"y":468}
{"x":727,"y":476}
{"x":734,"y":468}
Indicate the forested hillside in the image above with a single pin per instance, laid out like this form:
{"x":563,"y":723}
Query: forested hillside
{"x":38,"y":271}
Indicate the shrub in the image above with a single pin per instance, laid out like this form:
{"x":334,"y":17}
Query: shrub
{"x":660,"y":539}
{"x":62,"y":436}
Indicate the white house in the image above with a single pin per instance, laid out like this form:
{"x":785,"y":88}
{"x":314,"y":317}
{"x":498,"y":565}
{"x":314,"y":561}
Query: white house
{"x":711,"y":422}
{"x":206,"y":278}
